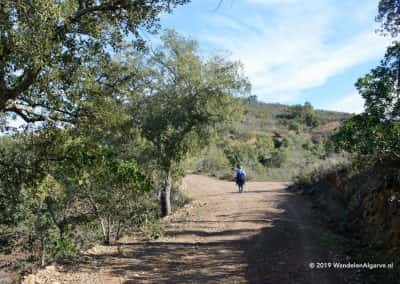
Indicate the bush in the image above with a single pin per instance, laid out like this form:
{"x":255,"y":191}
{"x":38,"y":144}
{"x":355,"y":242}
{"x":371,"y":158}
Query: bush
{"x":213,"y":161}
{"x":320,"y":171}
{"x":301,"y":114}
{"x":63,"y":248}
{"x":278,"y":157}
{"x":153,"y":230}
{"x":294,"y":126}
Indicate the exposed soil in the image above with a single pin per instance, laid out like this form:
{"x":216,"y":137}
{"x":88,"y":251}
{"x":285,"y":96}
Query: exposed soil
{"x":264,"y":235}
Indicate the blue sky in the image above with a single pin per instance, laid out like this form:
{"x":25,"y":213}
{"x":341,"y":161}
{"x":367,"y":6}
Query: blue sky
{"x":292,"y":50}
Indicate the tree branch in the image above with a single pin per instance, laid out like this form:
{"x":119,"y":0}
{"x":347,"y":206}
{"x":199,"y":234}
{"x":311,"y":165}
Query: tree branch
{"x":25,"y":81}
{"x":109,"y":6}
{"x":27,"y":113}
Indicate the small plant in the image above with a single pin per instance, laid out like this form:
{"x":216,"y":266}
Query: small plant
{"x":64,"y":247}
{"x":153,"y":230}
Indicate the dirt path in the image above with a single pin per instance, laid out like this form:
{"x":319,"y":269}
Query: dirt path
{"x":264,"y":235}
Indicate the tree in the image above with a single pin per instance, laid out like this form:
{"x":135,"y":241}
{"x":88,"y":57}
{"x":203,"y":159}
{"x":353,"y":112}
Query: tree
{"x":103,"y":172}
{"x":381,"y":87}
{"x":38,"y":207}
{"x":32,"y":197}
{"x":23,"y":163}
{"x":187,"y":98}
{"x":389,"y":15}
{"x":304,"y":114}
{"x":113,"y":188}
{"x":48,"y":47}
{"x":376,"y":132}
{"x":54,"y":179}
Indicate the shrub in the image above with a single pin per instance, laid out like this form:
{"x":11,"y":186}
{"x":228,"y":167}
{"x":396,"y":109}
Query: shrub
{"x":63,"y":248}
{"x":278,"y":157}
{"x":213,"y":161}
{"x":302,"y":114}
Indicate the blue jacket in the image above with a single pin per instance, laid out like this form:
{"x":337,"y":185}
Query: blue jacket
{"x":240,"y":176}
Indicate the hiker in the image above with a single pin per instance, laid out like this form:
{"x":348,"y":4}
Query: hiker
{"x":240,"y":178}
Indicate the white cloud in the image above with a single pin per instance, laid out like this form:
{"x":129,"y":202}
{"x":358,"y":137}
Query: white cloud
{"x":315,"y":70}
{"x":290,"y":50}
{"x":352,"y":103}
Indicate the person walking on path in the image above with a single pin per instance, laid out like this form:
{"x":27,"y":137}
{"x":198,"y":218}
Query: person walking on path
{"x":240,"y":178}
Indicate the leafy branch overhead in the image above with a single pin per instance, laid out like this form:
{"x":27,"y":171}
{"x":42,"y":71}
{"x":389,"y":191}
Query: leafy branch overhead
{"x":48,"y":49}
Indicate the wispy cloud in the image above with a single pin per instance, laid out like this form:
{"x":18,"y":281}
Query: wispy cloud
{"x":352,"y":103}
{"x":315,"y":70}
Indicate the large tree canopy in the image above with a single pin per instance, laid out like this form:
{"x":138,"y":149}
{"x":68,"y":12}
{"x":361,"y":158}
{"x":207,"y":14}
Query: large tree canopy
{"x":47,"y":49}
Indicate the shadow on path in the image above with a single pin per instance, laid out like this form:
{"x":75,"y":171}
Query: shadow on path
{"x":260,"y":245}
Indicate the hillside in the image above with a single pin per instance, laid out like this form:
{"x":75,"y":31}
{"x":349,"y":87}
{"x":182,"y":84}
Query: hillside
{"x":272,"y":142}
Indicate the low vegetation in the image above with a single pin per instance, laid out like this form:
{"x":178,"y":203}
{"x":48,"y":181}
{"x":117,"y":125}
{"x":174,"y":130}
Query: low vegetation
{"x":272,"y":142}
{"x":360,"y":202}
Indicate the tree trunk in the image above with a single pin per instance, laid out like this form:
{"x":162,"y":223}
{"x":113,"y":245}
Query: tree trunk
{"x":110,"y":229}
{"x":104,"y":230}
{"x":42,"y":252}
{"x":165,"y":198}
{"x":118,"y":233}
{"x":107,"y":228}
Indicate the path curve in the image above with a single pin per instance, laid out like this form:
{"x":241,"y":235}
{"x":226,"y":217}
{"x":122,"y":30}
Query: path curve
{"x":264,"y":235}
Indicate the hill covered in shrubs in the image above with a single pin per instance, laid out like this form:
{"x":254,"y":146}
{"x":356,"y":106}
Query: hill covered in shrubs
{"x":272,"y":142}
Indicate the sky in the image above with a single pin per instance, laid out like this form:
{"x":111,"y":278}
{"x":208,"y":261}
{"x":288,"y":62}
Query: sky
{"x":292,"y":50}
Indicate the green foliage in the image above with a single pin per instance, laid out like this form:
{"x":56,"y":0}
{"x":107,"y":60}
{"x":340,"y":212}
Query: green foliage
{"x":189,"y":98}
{"x":64,"y":247}
{"x":38,"y":210}
{"x":16,"y":168}
{"x":363,"y":135}
{"x":278,"y":157}
{"x":267,"y":151}
{"x":279,"y":141}
{"x":65,"y":186}
{"x":320,"y":172}
{"x":376,"y":132}
{"x":213,"y":161}
{"x":113,"y":190}
{"x":61,"y":179}
{"x":299,"y":114}
{"x":263,"y":145}
{"x":240,"y":153}
{"x":47,"y":59}
{"x":389,"y":15}
{"x":153,"y":230}
{"x":294,"y":126}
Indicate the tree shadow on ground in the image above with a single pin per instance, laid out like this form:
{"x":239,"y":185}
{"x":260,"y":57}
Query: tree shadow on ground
{"x":278,"y":253}
{"x":171,"y":262}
